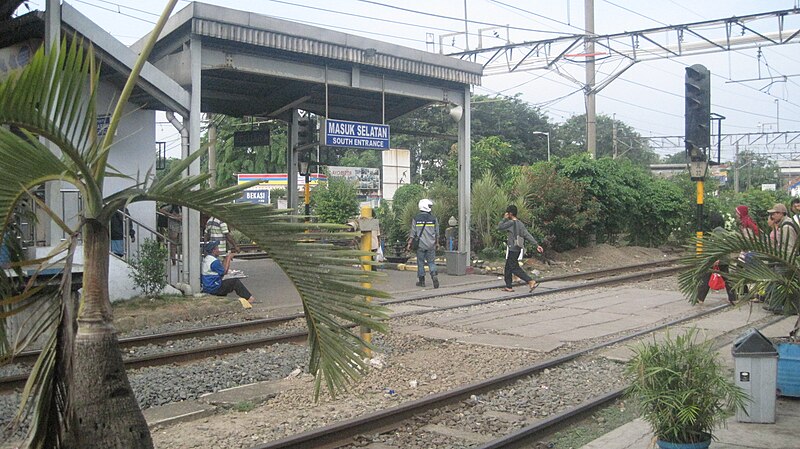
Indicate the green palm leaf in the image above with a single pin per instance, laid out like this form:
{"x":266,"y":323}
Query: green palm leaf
{"x":772,"y":268}
{"x":54,"y":98}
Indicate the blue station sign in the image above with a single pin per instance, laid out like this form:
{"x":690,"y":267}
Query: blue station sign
{"x":368,"y":136}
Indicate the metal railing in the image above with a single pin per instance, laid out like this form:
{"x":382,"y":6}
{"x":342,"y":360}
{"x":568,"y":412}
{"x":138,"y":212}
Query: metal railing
{"x":72,"y":204}
{"x":173,"y":263}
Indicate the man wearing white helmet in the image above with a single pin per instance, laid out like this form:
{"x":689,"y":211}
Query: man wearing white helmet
{"x":424,"y":238}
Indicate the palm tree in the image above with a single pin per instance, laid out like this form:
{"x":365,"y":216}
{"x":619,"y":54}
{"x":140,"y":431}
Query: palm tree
{"x":772,"y":267}
{"x":78,"y":395}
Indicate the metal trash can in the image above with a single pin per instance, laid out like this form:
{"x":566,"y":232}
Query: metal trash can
{"x":456,"y":262}
{"x":755,"y":362}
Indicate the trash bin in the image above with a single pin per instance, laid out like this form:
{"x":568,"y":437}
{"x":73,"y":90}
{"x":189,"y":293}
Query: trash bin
{"x":755,"y":362}
{"x":456,"y":262}
{"x":789,"y":369}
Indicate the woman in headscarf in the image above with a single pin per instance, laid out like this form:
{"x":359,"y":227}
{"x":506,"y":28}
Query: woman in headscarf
{"x":747,"y":226}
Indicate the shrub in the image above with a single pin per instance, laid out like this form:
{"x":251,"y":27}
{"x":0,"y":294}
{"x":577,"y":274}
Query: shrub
{"x":336,"y":202}
{"x":149,"y":272}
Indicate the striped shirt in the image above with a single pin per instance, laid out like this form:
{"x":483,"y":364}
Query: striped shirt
{"x":217,"y":230}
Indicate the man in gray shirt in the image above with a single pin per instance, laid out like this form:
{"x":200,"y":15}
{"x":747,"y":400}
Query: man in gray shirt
{"x":424,"y":238}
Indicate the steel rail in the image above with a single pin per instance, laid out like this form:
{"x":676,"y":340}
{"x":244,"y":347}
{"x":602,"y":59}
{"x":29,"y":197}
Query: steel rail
{"x":265,"y":323}
{"x":9,"y":383}
{"x":545,"y":426}
{"x":340,"y":433}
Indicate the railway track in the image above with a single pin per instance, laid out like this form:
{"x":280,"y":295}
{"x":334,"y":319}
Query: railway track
{"x":356,"y":432}
{"x":597,"y":278}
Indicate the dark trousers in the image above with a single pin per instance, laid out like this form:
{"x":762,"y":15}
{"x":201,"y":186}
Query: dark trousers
{"x":703,"y":288}
{"x":229,"y":285}
{"x":512,"y":268}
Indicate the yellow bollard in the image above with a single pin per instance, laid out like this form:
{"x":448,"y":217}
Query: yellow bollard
{"x":366,"y":245}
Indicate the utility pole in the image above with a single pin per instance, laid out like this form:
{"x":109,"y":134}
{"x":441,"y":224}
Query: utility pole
{"x":591,"y":106}
{"x":212,"y":151}
{"x":736,"y":170}
{"x":614,"y":134}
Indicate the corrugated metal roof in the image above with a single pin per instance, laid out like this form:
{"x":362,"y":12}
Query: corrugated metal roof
{"x":328,"y":50}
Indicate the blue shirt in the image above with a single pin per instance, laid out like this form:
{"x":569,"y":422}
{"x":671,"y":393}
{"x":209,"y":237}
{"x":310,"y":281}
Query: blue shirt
{"x":211,"y":274}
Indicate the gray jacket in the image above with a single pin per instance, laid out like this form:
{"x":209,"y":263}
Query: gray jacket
{"x":515,"y":228}
{"x":426,"y":226}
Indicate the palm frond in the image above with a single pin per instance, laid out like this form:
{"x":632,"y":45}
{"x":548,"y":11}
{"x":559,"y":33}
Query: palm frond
{"x":50,"y":98}
{"x":327,"y":277}
{"x":771,"y":267}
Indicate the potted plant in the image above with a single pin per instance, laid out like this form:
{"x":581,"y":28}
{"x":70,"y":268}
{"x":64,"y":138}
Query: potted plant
{"x":682,"y":390}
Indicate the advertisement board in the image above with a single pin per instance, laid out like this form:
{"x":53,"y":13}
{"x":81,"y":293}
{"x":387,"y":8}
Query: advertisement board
{"x":365,"y":178}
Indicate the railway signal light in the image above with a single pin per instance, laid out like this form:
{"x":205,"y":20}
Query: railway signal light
{"x":306,"y":131}
{"x":698,"y":112}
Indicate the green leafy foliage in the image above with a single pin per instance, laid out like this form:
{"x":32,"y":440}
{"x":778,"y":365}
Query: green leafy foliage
{"x":488,"y":204}
{"x":261,"y":159}
{"x":149,"y":272}
{"x":560,"y":208}
{"x":336,"y":201}
{"x":612,"y":183}
{"x":683,"y":390}
{"x":629,"y":144}
{"x":660,"y":211}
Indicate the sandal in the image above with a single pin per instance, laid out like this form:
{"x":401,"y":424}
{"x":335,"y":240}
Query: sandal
{"x":506,"y":289}
{"x":245,"y":303}
{"x":533,"y":285}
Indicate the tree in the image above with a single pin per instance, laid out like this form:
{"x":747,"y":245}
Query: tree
{"x":78,"y":388}
{"x":755,"y":169}
{"x":508,"y":121}
{"x":261,"y":159}
{"x":571,"y":138}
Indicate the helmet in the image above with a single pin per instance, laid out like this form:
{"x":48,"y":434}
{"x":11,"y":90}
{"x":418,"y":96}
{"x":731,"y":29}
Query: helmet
{"x":425,"y":205}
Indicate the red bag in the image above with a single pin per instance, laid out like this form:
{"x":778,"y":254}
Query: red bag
{"x":716,"y":282}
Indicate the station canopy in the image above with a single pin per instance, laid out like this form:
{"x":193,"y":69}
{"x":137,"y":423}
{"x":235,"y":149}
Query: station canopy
{"x":256,"y":65}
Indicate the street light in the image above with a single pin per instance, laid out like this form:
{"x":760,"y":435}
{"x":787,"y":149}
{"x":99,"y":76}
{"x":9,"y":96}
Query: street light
{"x":544,"y":133}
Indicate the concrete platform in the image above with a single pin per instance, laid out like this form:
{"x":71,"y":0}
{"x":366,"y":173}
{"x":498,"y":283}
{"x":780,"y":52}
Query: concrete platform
{"x":780,"y":435}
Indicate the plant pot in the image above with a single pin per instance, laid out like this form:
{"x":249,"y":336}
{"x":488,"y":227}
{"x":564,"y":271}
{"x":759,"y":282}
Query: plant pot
{"x":667,"y":445}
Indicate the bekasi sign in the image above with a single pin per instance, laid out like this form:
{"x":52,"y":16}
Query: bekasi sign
{"x":342,"y":133}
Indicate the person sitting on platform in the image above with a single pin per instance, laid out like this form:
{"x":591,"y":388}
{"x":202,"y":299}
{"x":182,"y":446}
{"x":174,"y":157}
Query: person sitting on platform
{"x":213,"y":272}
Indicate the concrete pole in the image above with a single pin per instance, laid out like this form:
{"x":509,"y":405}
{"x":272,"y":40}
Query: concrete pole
{"x":464,"y":182}
{"x":212,"y":151}
{"x":291,"y":163}
{"x":591,"y":106}
{"x":191,"y":239}
{"x":52,"y":37}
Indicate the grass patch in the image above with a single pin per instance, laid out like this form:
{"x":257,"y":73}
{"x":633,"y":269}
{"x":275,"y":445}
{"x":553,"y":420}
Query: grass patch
{"x":594,"y":426}
{"x":244,"y":406}
{"x":142,"y":302}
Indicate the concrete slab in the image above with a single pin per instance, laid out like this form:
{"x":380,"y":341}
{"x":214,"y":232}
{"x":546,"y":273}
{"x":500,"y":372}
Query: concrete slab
{"x":541,"y":344}
{"x":177,"y":412}
{"x":256,"y":393}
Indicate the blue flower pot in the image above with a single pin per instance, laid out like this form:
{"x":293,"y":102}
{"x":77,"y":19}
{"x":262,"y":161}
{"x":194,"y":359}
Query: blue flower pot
{"x":667,"y":445}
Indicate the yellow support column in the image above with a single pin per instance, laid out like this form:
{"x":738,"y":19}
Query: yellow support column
{"x":699,"y":230}
{"x":366,"y":245}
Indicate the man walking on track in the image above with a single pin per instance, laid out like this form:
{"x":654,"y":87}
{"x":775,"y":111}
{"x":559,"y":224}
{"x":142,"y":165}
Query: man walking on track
{"x":424,"y":238}
{"x":517,"y":234}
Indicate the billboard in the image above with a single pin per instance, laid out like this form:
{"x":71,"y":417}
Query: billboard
{"x":365,"y":178}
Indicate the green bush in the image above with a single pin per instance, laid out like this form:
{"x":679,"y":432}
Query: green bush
{"x":336,"y":202}
{"x":149,"y":272}
{"x":559,"y":207}
{"x":660,"y":212}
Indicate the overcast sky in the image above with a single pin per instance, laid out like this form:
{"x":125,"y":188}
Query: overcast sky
{"x":649,"y":96}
